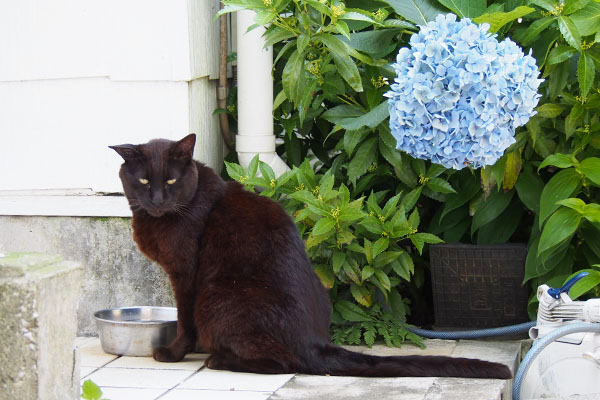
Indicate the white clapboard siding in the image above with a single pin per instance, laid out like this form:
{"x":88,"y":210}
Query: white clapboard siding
{"x":79,"y":75}
{"x":174,"y":40}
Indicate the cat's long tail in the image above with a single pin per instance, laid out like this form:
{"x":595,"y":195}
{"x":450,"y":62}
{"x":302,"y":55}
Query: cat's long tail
{"x":333,"y":360}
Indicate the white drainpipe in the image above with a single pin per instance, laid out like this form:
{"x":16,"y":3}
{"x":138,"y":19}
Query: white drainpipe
{"x":255,"y":96}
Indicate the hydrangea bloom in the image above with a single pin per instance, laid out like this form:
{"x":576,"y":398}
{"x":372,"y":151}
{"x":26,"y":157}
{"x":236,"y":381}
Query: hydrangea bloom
{"x":459,"y":94}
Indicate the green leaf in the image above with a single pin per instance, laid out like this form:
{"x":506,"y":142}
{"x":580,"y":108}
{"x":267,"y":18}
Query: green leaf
{"x":419,"y":240}
{"x":303,"y":41}
{"x":574,"y":119}
{"x":371,"y":119}
{"x":397,"y":304}
{"x":590,"y":167}
{"x":439,"y":185}
{"x":569,"y":31}
{"x":357,"y":15}
{"x":558,"y":80}
{"x":372,"y":224}
{"x":368,"y":250}
{"x":266,"y":170}
{"x":383,"y":279}
{"x":403,"y":266}
{"x":352,"y":139}
{"x":529,"y":188}
{"x":560,"y":227}
{"x":512,"y":169}
{"x":279,"y":99}
{"x":490,"y":209}
{"x":411,"y":198}
{"x":90,"y":391}
{"x":585,"y":73}
{"x":264,"y":17}
{"x":367,"y":272}
{"x":338,"y":260}
{"x":348,"y":214}
{"x":345,"y":237}
{"x":534,"y":30}
{"x":291,"y":74}
{"x":561,"y":186}
{"x":435,"y":170}
{"x":362,"y":160}
{"x":416,"y":11}
{"x":323,"y":226}
{"x":339,"y":51}
{"x":377,"y":43}
{"x":591,"y":237}
{"x":342,"y":28}
{"x":573,"y":203}
{"x":557,"y":55}
{"x":502,"y":228}
{"x":498,"y":19}
{"x":326,"y":275}
{"x":468,"y":188}
{"x":591,"y":212}
{"x":380,"y":245}
{"x":545,"y":4}
{"x":361,"y":294}
{"x":558,"y":160}
{"x":574,"y":5}
{"x":465,"y":8}
{"x":351,"y":312}
{"x":352,"y":271}
{"x":390,"y":206}
{"x":235,"y":171}
{"x":587,"y":19}
{"x":314,"y":240}
{"x":385,"y":258}
{"x":322,"y":8}
{"x":549,"y":110}
{"x":585,"y":284}
{"x":276,"y":34}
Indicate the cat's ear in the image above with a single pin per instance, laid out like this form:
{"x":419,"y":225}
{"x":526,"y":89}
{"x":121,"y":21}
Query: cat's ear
{"x":127,"y":151}
{"x":184,"y":149}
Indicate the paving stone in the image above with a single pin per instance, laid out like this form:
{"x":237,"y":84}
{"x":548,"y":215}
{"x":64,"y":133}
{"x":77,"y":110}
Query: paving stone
{"x":333,"y":388}
{"x":311,"y":387}
{"x":461,"y":389}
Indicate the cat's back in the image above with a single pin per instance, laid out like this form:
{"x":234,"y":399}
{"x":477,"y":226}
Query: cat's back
{"x":252,"y":232}
{"x":247,"y":210}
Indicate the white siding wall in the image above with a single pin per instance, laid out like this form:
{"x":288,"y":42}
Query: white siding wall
{"x":79,"y":75}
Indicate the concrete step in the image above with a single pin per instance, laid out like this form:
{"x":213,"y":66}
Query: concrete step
{"x":333,"y":388}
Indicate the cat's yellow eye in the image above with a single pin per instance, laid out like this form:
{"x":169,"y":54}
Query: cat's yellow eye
{"x":143,"y":181}
{"x":171,"y":181}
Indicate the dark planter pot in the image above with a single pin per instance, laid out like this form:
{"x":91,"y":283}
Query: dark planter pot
{"x":478,"y":286}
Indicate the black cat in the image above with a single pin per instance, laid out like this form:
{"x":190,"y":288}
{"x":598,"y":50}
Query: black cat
{"x":244,"y":286}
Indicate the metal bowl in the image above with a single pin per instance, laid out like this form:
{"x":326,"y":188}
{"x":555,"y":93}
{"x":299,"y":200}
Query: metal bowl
{"x":135,"y":331}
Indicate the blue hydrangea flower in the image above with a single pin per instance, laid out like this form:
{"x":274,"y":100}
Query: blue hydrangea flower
{"x":459,"y":94}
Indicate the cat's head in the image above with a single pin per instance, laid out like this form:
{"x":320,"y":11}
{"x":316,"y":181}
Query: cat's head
{"x":159,"y":176}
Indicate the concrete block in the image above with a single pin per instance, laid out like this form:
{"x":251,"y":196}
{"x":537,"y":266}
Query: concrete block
{"x":38,"y":317}
{"x":116,"y":273}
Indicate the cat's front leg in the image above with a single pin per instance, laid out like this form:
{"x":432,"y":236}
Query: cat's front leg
{"x":185,"y":340}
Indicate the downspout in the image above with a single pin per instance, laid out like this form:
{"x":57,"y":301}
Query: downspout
{"x":222,"y":88}
{"x":255,"y":96}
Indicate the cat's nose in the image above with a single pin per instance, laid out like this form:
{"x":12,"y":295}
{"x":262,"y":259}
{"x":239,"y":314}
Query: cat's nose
{"x":157,"y":200}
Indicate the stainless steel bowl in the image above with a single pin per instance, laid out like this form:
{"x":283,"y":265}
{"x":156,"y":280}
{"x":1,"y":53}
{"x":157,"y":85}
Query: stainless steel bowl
{"x":135,"y":331}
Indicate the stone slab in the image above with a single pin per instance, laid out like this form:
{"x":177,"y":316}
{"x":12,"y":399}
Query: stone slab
{"x":334,"y":388}
{"x":38,"y":317}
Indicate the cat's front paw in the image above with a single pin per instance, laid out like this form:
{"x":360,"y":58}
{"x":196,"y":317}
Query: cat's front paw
{"x":165,"y":354}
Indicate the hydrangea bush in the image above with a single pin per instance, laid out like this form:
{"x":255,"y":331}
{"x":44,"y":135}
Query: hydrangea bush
{"x":459,"y":94}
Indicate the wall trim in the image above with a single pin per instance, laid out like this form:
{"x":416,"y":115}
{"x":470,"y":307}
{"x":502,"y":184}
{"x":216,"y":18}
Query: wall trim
{"x":65,"y":204}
